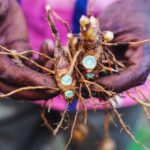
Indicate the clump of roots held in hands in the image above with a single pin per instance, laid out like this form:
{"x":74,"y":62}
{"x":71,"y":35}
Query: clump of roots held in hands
{"x":77,"y":66}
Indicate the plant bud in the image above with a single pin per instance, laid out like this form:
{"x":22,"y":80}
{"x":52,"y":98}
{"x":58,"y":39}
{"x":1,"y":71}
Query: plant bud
{"x":84,"y":21}
{"x":108,"y":36}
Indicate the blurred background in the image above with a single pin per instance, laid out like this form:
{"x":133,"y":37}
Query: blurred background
{"x":142,"y":134}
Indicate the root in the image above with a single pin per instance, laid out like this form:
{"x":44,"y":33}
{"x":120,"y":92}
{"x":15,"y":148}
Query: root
{"x":127,"y":43}
{"x":69,"y":55}
{"x":109,"y":93}
{"x":86,"y":85}
{"x":138,"y":100}
{"x":146,"y":112}
{"x":74,"y":62}
{"x":68,"y":122}
{"x":25,"y":58}
{"x":73,"y":126}
{"x":144,"y":95}
{"x":36,"y":64}
{"x":111,"y":117}
{"x":61,"y":121}
{"x":28,"y":88}
{"x":81,"y":100}
{"x":124,"y":126}
{"x":46,"y":123}
{"x":39,"y":53}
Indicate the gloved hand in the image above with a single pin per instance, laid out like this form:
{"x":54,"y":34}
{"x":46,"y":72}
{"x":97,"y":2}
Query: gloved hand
{"x":13,"y":35}
{"x":130,"y":21}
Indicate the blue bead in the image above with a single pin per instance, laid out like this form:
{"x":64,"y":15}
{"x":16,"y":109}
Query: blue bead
{"x":66,"y":80}
{"x":69,"y":94}
{"x":89,"y":62}
{"x":90,"y":75}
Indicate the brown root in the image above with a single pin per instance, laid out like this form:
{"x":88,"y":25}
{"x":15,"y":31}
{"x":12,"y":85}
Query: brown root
{"x":73,"y":126}
{"x":146,"y":111}
{"x":109,"y":93}
{"x":58,"y":51}
{"x":138,"y":100}
{"x":46,"y":123}
{"x":61,"y":121}
{"x":27,"y":88}
{"x":138,"y":43}
{"x":15,"y":54}
{"x":125,"y":128}
{"x":73,"y":63}
{"x":82,"y":101}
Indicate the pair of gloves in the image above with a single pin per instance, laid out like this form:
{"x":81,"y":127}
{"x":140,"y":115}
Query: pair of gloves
{"x":129,"y":20}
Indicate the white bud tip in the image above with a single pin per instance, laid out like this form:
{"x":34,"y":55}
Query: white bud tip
{"x":84,"y":20}
{"x":69,"y":35}
{"x":108,"y":36}
{"x":47,"y":7}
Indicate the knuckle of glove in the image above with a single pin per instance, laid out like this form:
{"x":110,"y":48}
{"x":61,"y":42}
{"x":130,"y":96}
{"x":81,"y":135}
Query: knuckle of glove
{"x":4,"y":5}
{"x":142,"y":77}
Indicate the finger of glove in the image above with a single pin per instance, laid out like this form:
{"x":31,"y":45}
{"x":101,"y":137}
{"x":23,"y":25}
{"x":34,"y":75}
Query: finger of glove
{"x":4,"y":6}
{"x":13,"y":29}
{"x":47,"y":48}
{"x":22,"y":95}
{"x":22,"y":75}
{"x":135,"y":74}
{"x":49,"y":65}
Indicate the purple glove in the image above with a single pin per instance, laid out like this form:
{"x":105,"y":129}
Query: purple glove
{"x":13,"y":35}
{"x":130,"y":21}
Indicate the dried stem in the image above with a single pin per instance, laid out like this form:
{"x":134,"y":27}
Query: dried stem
{"x":36,"y":64}
{"x":108,"y":68}
{"x":59,"y":18}
{"x":55,"y":33}
{"x":86,"y":85}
